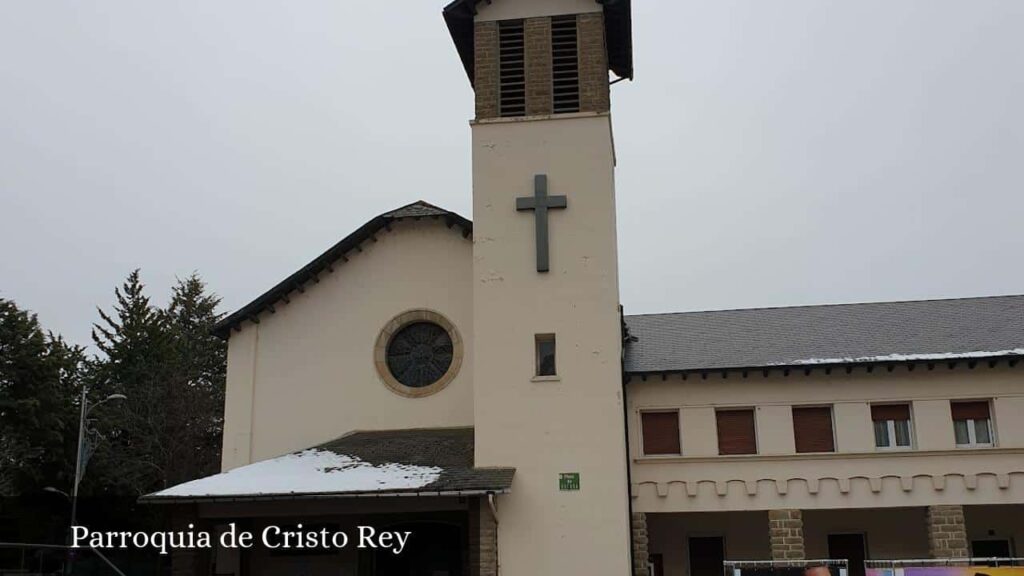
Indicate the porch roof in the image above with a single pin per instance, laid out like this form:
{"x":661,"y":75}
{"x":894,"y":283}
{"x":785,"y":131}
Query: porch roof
{"x":419,"y":462}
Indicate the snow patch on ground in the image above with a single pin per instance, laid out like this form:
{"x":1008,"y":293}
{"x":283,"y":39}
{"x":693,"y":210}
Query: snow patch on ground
{"x":311,"y":471}
{"x":906,"y":357}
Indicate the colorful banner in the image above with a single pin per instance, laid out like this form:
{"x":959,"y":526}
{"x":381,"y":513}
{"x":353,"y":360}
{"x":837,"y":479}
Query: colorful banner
{"x":947,"y":571}
{"x":811,"y":570}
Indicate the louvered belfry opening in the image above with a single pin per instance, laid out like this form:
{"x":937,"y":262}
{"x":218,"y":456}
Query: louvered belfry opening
{"x":540,"y":66}
{"x":565,"y":64}
{"x":512,"y":68}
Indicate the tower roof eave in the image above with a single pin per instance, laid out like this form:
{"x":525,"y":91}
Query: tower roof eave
{"x":618,"y":22}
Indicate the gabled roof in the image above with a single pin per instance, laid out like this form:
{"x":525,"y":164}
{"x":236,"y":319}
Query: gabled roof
{"x":618,"y":24}
{"x":327,"y":260}
{"x":424,"y":462}
{"x":845,"y":334}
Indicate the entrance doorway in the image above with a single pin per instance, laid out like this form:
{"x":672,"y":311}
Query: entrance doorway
{"x":707,"y":553}
{"x":849,"y":547}
{"x":991,"y":549}
{"x":434,"y":549}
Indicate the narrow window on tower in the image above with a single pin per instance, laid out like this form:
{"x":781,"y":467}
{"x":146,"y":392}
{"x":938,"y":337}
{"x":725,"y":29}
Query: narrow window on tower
{"x":545,"y":345}
{"x":512,"y":68}
{"x":565,"y":64}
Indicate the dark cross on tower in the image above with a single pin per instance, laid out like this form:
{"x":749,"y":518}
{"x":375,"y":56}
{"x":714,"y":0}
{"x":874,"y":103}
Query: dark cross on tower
{"x":540,"y":202}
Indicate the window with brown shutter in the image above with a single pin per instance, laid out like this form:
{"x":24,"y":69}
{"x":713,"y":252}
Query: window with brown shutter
{"x":736,"y":433}
{"x":891,"y":423}
{"x":969,"y":410}
{"x":972,"y":423}
{"x":812,"y":429}
{"x":660,"y":432}
{"x":890,"y":412}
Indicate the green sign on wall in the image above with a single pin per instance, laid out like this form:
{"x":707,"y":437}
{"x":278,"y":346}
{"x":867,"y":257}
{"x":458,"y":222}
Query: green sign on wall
{"x":569,"y":481}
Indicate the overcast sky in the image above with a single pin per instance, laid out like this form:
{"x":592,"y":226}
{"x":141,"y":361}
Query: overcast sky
{"x":770,"y":153}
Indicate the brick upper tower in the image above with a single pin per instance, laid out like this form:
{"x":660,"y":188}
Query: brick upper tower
{"x":541,"y":65}
{"x":538,"y":57}
{"x":547,"y":332}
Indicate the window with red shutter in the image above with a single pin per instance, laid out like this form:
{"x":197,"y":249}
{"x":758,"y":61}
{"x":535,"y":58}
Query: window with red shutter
{"x":812,"y":429}
{"x":736,"y":432}
{"x":660,"y":432}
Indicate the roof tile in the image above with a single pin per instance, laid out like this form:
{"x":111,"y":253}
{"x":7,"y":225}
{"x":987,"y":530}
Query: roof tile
{"x":832,"y":334}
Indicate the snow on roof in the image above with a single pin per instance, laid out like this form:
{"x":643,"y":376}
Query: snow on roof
{"x":915,"y":331}
{"x":425,"y":461}
{"x":312,"y":471}
{"x":908,"y":357}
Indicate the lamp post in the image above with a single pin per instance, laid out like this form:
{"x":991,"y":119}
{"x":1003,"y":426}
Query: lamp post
{"x":86,"y":409}
{"x":57,"y":491}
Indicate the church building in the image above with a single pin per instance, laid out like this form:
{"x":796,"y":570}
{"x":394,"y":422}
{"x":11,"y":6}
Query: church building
{"x":476,"y":382}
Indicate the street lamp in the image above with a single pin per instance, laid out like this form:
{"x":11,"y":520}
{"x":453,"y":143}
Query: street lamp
{"x":86,"y":409}
{"x":57,"y":491}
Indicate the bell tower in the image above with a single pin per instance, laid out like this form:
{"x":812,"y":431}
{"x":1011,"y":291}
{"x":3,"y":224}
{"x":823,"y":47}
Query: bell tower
{"x":547,"y":343}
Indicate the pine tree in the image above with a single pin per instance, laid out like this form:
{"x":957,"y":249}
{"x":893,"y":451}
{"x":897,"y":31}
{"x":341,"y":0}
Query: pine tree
{"x":134,"y":443}
{"x":39,"y":377}
{"x":172,"y":371}
{"x":199,"y":377}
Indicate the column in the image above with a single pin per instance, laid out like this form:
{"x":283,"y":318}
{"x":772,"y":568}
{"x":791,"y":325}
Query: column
{"x":786,"y":534}
{"x":640,"y":552}
{"x":483,"y":539}
{"x":947,"y":532}
{"x":189,"y":562}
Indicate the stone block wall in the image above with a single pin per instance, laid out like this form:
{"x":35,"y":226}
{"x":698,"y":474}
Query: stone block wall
{"x":640,"y":540}
{"x":485,"y":47}
{"x":594,"y":88}
{"x":786,"y":534}
{"x":539,"y":91}
{"x":483,"y":540}
{"x":947,"y":532}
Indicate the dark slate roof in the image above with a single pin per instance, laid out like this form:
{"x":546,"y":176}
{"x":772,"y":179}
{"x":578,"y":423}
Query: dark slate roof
{"x":929,"y":330}
{"x":618,"y":23}
{"x":328,"y":259}
{"x":448,"y":449}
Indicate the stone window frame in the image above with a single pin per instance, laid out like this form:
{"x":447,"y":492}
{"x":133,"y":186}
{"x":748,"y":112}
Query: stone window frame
{"x":380,"y":351}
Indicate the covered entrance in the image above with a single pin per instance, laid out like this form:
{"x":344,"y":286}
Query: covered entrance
{"x":707,"y":553}
{"x":438,"y":550}
{"x":416,"y":485}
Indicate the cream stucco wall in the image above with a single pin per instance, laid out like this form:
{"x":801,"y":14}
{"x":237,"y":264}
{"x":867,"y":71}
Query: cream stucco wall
{"x":305,"y":374}
{"x":856,"y":475}
{"x":574,"y":423}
